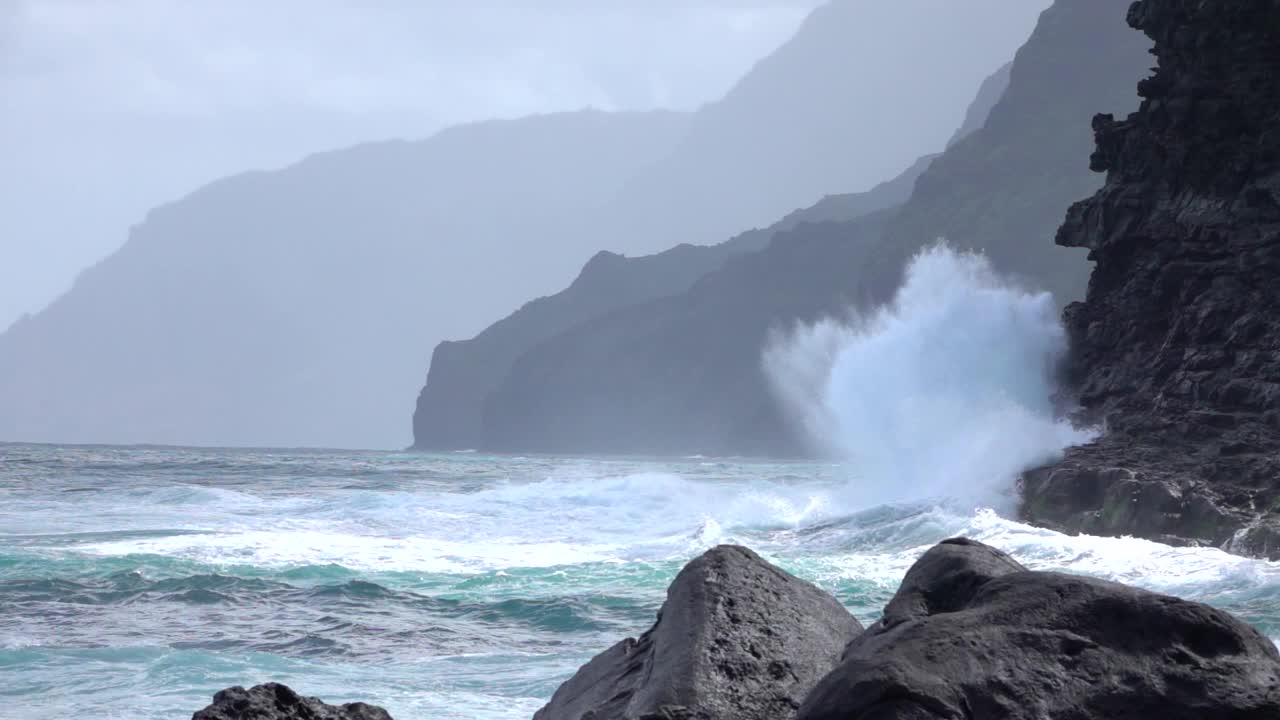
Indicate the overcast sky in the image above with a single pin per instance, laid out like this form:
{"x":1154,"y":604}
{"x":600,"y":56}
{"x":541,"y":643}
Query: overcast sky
{"x":111,"y":107}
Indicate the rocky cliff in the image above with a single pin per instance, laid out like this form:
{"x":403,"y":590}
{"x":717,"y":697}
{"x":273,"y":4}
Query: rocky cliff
{"x":1177,"y":345}
{"x":683,"y":374}
{"x":828,"y":112}
{"x":463,"y":374}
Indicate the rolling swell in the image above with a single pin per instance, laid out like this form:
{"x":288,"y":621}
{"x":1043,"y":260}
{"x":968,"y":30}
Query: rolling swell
{"x":350,"y":619}
{"x":448,"y":587}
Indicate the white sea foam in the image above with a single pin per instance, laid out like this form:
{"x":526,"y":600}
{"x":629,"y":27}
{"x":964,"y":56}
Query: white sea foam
{"x":946,"y":392}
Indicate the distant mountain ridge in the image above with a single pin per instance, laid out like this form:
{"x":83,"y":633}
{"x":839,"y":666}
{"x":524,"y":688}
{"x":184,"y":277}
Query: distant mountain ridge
{"x":683,"y":374}
{"x":450,"y":408}
{"x":299,"y":307}
{"x":463,"y":374}
{"x":844,"y":105}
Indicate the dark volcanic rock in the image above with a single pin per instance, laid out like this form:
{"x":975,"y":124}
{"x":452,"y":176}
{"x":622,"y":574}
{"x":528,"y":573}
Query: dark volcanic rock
{"x":972,"y":635}
{"x":1177,"y":346}
{"x":273,"y":701}
{"x":1003,"y":189}
{"x":737,"y":638}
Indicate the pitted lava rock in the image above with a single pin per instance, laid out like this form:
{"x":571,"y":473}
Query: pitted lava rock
{"x":1176,"y":350}
{"x":737,"y":638}
{"x":273,"y":701}
{"x":973,"y":635}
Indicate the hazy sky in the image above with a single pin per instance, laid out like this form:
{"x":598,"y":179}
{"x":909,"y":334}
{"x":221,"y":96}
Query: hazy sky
{"x":111,"y":107}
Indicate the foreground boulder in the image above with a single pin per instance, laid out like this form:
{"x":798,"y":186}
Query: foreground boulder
{"x":737,"y":638}
{"x":972,"y":635}
{"x":273,"y":701}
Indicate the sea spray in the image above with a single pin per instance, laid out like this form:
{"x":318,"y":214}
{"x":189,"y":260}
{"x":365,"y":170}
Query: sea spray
{"x":944,"y":393}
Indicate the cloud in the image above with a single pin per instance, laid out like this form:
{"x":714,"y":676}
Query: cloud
{"x":440,"y":58}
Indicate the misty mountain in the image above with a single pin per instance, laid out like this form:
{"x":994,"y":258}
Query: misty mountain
{"x":463,"y":373}
{"x":860,"y":92}
{"x":683,"y":374}
{"x":299,"y":307}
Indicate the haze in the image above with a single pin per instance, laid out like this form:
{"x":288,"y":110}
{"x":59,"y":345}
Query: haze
{"x":115,"y":106}
{"x":300,"y":307}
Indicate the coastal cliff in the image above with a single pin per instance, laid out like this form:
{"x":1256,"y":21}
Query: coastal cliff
{"x":449,"y":414}
{"x":450,"y":410}
{"x":683,"y":374}
{"x":1176,"y":349}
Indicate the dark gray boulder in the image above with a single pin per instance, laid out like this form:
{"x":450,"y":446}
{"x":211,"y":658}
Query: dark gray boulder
{"x":973,"y":635}
{"x":274,"y":701}
{"x":737,"y":638}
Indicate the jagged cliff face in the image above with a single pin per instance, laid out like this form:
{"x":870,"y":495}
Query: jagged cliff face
{"x":1177,"y":346}
{"x":1003,"y":190}
{"x":827,"y":112}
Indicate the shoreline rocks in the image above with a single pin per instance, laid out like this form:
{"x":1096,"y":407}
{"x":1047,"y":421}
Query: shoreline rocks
{"x":736,"y":638}
{"x":974,"y":635}
{"x":970,"y":635}
{"x":273,"y":701}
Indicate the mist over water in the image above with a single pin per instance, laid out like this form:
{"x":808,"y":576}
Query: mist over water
{"x":944,"y":393}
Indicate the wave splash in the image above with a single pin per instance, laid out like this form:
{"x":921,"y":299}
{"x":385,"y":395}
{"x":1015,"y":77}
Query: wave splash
{"x":944,"y":393}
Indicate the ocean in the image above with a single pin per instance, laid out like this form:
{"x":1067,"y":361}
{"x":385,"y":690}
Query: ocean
{"x":136,"y":582}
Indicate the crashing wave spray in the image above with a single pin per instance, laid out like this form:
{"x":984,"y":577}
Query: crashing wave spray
{"x":944,"y":393}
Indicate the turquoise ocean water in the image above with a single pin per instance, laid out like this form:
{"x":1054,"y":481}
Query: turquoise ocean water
{"x":135,"y":582}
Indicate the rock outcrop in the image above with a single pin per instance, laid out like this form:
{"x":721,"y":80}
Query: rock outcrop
{"x":683,"y":374}
{"x":273,"y":701}
{"x":972,"y":635}
{"x":1176,"y":350}
{"x":737,"y":638}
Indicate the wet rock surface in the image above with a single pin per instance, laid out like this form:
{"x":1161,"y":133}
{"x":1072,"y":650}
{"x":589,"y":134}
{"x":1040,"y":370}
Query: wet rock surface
{"x":737,"y":638}
{"x":973,"y":635}
{"x":273,"y":701}
{"x":1177,"y":346}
